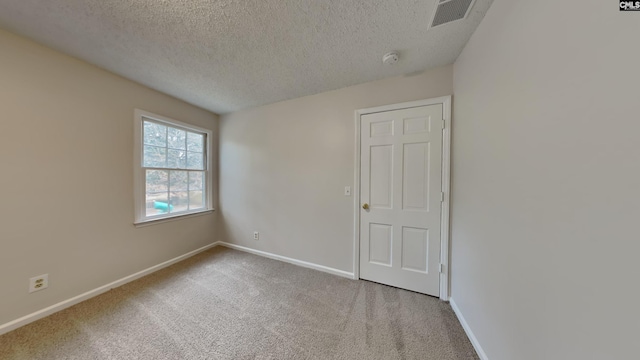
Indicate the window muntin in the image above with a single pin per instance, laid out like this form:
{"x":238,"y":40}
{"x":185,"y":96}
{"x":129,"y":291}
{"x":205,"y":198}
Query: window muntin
{"x":173,"y":172}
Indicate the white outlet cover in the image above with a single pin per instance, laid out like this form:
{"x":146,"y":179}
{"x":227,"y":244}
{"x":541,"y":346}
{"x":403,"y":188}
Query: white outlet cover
{"x":256,"y":235}
{"x":41,"y":280}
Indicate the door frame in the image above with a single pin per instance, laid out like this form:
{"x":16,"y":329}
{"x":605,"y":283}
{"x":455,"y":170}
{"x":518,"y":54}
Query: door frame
{"x":446,"y":188}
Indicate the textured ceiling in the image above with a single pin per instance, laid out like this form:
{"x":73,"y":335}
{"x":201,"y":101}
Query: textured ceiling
{"x":226,"y":55}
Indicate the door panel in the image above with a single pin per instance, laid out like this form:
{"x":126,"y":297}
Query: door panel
{"x":381,"y":128}
{"x":381,"y":176}
{"x":415,"y":189}
{"x":415,"y":249}
{"x":380,"y":248}
{"x":416,"y":125}
{"x":400,"y":174}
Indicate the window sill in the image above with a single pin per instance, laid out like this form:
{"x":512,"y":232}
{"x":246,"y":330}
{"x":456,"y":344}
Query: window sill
{"x":173,"y":218}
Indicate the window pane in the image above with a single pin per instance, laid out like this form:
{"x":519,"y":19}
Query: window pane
{"x":195,"y":161}
{"x":176,"y":138}
{"x":155,"y":134}
{"x":157,"y":197}
{"x":178,"y":181}
{"x":196,"y":200}
{"x":179,"y":201}
{"x":195,"y":180}
{"x":157,"y":203}
{"x":177,"y":159}
{"x":154,"y":156}
{"x":157,"y":181}
{"x":195,"y":142}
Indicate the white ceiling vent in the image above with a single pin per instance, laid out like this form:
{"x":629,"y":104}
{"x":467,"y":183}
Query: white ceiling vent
{"x":451,"y":10}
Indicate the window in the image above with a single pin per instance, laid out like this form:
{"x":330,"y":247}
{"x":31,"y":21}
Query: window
{"x":172,"y":175}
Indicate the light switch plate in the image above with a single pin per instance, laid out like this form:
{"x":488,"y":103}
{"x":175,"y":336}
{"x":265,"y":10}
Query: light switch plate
{"x":347,"y":191}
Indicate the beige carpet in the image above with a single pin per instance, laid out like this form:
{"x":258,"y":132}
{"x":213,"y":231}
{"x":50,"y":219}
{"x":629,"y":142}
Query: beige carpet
{"x":226,"y":304}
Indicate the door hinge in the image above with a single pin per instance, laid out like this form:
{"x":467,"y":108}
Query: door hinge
{"x":441,"y":269}
{"x":444,"y":123}
{"x":441,"y":196}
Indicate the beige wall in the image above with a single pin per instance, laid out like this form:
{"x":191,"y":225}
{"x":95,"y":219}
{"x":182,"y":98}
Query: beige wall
{"x":66,"y":150}
{"x":546,"y":181}
{"x":284,"y":166}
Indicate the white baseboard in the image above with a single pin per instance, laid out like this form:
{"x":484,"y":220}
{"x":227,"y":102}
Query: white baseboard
{"x":12,"y":325}
{"x":467,"y":329}
{"x":305,"y":264}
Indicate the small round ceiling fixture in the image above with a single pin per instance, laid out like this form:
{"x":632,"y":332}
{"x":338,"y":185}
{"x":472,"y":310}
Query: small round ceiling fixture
{"x":390,"y":58}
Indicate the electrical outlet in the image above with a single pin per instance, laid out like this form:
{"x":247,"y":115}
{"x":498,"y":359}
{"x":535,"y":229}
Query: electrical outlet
{"x":256,"y":235}
{"x":38,"y":283}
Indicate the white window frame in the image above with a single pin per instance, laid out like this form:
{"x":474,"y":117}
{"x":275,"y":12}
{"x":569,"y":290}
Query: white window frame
{"x":139,"y":175}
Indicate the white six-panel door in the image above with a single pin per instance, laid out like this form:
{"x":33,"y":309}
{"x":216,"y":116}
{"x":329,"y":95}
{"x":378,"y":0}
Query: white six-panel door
{"x":400,"y":195}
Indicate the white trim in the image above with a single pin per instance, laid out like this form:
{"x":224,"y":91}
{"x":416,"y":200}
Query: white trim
{"x":289,"y":260}
{"x":404,"y":105}
{"x":446,"y":169}
{"x":173,"y":218}
{"x":356,"y":203}
{"x":467,"y":329}
{"x":140,"y":216}
{"x":445,"y":206}
{"x":12,"y":325}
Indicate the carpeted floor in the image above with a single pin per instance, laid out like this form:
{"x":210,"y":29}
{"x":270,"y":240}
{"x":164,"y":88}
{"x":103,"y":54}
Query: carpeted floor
{"x":227,"y":304}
